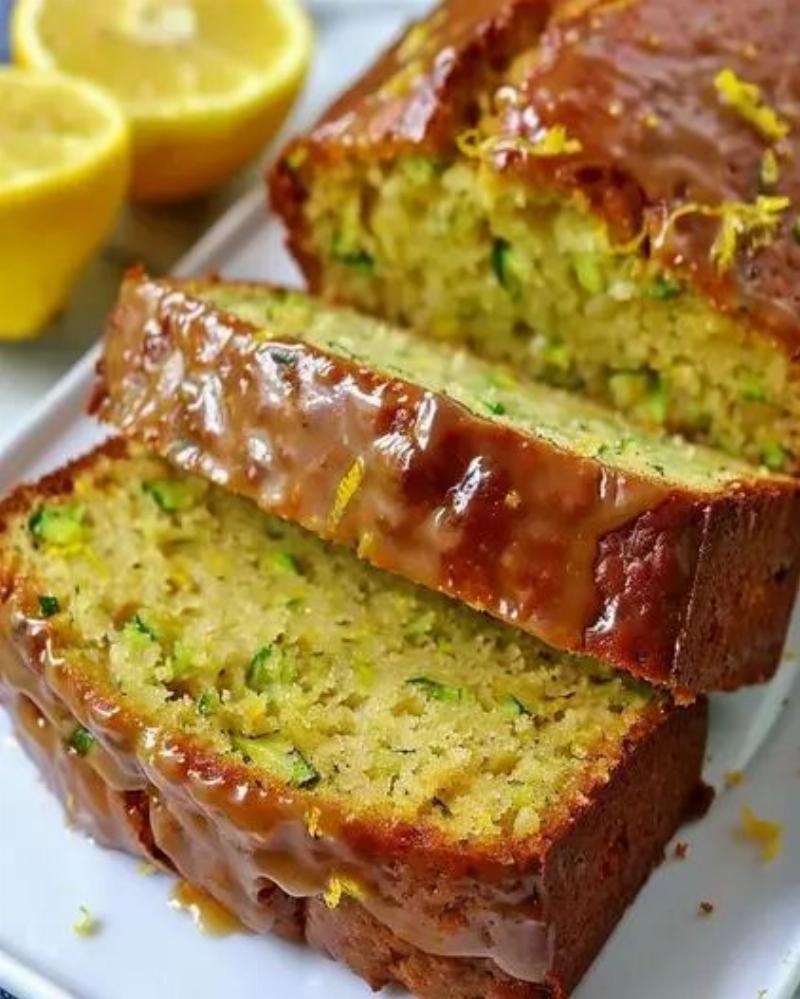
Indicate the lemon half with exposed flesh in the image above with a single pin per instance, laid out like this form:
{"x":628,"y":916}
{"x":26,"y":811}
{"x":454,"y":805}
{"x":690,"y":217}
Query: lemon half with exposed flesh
{"x":64,"y":170}
{"x":206,"y":83}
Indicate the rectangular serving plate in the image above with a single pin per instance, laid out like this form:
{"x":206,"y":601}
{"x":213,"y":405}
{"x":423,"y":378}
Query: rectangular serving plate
{"x":748,"y":948}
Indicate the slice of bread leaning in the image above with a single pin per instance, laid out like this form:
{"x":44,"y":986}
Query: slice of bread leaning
{"x":668,"y":560}
{"x":334,"y":754}
{"x":604,"y":194}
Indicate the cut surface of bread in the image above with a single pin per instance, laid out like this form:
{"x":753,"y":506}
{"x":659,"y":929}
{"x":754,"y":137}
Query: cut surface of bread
{"x":602,"y":194}
{"x":666,"y":559}
{"x":330,"y":751}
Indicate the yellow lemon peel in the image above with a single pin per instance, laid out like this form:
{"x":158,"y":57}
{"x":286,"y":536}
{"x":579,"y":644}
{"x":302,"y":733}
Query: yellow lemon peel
{"x":748,"y":101}
{"x":340,"y":886}
{"x":313,"y":817}
{"x":550,"y":142}
{"x":767,"y":835}
{"x":754,"y":221}
{"x":769,"y":172}
{"x":86,"y":925}
{"x":345,"y":491}
{"x":733,"y":778}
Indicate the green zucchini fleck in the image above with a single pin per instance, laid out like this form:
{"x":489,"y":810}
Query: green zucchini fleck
{"x":49,"y":606}
{"x":287,"y":562}
{"x":262,"y":671}
{"x":752,"y":389}
{"x":138,"y":626}
{"x":515,"y":706}
{"x":81,"y":741}
{"x":587,"y":270}
{"x":59,"y":526}
{"x":421,"y":169}
{"x":501,"y":263}
{"x":664,"y":288}
{"x":495,"y":408}
{"x":171,"y":495}
{"x":435,"y":690}
{"x":774,"y":456}
{"x":281,"y":759}
{"x":352,"y":256}
{"x":207,"y":702}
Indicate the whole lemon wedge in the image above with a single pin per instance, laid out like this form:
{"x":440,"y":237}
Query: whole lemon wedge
{"x":64,"y":170}
{"x":206,"y":83}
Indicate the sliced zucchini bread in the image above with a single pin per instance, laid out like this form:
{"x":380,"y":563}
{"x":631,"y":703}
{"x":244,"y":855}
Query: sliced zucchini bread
{"x":431,"y":796}
{"x":666,"y":559}
{"x":604,"y":194}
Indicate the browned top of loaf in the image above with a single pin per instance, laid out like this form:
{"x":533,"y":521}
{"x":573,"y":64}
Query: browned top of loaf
{"x":688,"y":589}
{"x":633,"y":82}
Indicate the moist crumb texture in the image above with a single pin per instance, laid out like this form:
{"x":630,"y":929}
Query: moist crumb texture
{"x":496,"y":392}
{"x":309,"y":665}
{"x":545,"y":509}
{"x":333,"y":755}
{"x":583,"y":195}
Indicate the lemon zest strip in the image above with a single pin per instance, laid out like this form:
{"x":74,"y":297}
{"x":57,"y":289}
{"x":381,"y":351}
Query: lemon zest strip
{"x":345,"y":491}
{"x":748,"y":101}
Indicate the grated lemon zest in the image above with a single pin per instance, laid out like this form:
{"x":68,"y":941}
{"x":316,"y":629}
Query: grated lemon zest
{"x":365,"y":543}
{"x":313,"y":817}
{"x":86,"y":925}
{"x":756,"y":221}
{"x":769,"y":172}
{"x":768,"y":835}
{"x":549,"y":142}
{"x":345,"y":491}
{"x":748,"y":101}
{"x":297,"y":157}
{"x":338,"y":887}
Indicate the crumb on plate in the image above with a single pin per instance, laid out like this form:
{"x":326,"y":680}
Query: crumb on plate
{"x":768,"y":835}
{"x":86,"y":925}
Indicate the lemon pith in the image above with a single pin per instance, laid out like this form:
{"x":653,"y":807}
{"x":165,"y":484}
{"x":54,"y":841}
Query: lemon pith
{"x":64,"y":169}
{"x":205,"y":84}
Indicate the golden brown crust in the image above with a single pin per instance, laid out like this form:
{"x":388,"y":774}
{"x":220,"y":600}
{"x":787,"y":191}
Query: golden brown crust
{"x":633,"y":82}
{"x":234,"y":836}
{"x":687,"y":589}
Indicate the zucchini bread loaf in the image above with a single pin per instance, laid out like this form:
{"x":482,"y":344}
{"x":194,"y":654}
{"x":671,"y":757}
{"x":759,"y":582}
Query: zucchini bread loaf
{"x":666,"y":559}
{"x":432,"y":797}
{"x":603,"y":192}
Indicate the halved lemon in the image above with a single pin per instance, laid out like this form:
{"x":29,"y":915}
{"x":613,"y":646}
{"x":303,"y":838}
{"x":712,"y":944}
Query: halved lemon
{"x":64,"y":170}
{"x":206,"y":83}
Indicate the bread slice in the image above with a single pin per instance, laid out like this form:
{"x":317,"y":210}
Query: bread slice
{"x":432,"y":797}
{"x":666,"y":559}
{"x":604,"y":194}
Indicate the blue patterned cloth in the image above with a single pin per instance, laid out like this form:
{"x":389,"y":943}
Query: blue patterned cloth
{"x":5,"y":7}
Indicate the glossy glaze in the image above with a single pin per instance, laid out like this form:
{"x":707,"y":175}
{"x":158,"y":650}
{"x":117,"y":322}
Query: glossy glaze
{"x":415,"y":94}
{"x":145,"y":790}
{"x":583,"y":555}
{"x":208,"y":915}
{"x":540,"y":907}
{"x":633,"y":83}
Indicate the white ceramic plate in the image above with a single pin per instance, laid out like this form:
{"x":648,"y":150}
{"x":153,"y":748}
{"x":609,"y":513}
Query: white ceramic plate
{"x":749,"y":948}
